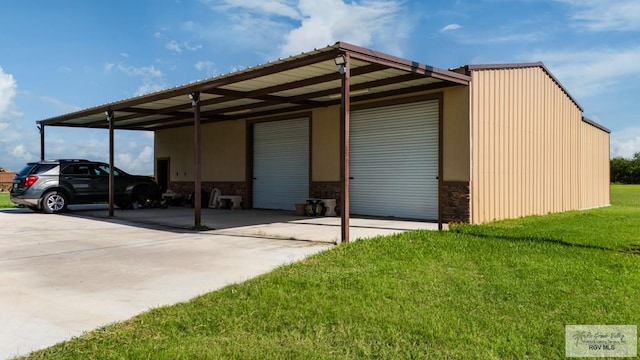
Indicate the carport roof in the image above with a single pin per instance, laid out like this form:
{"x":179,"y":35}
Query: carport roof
{"x":297,"y":83}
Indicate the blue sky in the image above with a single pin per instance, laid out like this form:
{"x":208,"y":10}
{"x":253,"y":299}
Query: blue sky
{"x":62,"y":56}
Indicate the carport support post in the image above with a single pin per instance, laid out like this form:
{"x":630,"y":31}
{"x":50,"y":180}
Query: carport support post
{"x":197,"y":183}
{"x":110,"y":118}
{"x":345,"y":110}
{"x":41,"y":129}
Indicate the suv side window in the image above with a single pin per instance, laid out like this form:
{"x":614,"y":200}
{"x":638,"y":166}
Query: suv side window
{"x":78,"y":169}
{"x":104,"y":170}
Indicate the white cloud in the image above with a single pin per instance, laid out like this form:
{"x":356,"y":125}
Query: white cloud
{"x":7,"y":93}
{"x":138,"y":162}
{"x":625,"y":143}
{"x":208,"y":67}
{"x":20,"y":152}
{"x":64,"y":69}
{"x":282,"y":8}
{"x":10,"y":125}
{"x":450,"y":27}
{"x":590,"y":72}
{"x":324,"y":23}
{"x":150,"y":75}
{"x":142,"y":71}
{"x":148,"y":87}
{"x":173,"y":46}
{"x":300,"y":25}
{"x":176,"y":47}
{"x":606,"y":15}
{"x":64,"y":107}
{"x":189,"y":25}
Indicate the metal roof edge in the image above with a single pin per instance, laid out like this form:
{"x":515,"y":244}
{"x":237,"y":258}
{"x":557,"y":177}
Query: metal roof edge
{"x":595,"y":124}
{"x":539,"y":64}
{"x":219,"y":80}
{"x":187,"y":88}
{"x":401,"y":63}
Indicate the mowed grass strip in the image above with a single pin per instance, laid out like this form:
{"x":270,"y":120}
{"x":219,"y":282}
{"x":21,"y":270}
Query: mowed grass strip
{"x":499,"y":291}
{"x":4,"y":201}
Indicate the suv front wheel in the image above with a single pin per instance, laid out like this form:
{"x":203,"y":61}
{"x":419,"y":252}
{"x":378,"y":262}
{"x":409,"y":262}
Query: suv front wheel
{"x":54,"y":202}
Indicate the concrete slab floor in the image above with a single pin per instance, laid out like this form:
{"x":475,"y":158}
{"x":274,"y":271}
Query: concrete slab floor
{"x":63,"y":275}
{"x":263,"y":223}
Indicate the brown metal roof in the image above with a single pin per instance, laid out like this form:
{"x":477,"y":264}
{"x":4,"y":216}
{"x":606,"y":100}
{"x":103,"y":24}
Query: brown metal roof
{"x":297,"y":83}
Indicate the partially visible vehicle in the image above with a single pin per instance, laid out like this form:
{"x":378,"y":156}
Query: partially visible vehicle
{"x":51,"y":185}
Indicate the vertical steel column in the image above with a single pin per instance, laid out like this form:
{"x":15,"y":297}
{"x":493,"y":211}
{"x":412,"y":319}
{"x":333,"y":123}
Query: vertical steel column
{"x":197,"y":183}
{"x":41,"y":129}
{"x":110,"y":120}
{"x":345,"y":111}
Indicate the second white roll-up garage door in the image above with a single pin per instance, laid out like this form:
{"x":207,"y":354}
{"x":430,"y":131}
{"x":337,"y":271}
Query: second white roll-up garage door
{"x":280,"y":164}
{"x":394,"y":161}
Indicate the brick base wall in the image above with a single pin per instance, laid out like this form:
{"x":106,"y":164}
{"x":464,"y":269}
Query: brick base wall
{"x":325,"y":190}
{"x":454,"y":195}
{"x":454,"y":201}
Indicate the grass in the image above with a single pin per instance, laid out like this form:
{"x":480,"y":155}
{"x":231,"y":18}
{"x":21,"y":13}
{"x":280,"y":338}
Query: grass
{"x":504,"y":290}
{"x":4,"y":200}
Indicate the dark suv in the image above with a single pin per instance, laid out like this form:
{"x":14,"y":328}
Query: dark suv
{"x":51,"y":185}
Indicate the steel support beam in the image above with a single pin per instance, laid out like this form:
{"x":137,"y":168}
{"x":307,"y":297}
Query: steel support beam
{"x":345,"y":114}
{"x":41,"y":129}
{"x":197,"y":181}
{"x":110,"y":120}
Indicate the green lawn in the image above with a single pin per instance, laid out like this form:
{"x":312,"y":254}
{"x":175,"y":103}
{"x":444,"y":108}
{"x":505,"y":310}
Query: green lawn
{"x":499,"y":291}
{"x":4,"y":200}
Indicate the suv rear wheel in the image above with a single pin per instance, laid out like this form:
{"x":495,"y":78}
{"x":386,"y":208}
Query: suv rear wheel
{"x":54,"y":202}
{"x":142,"y":194}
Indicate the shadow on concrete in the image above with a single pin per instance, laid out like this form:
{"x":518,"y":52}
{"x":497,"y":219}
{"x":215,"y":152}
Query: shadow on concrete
{"x":273,"y":224}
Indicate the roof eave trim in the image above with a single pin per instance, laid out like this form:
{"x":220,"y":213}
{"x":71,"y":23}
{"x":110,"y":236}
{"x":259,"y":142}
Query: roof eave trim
{"x":402,"y":64}
{"x":595,"y":124}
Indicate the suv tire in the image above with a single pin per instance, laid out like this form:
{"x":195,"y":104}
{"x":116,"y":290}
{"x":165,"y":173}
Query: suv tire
{"x":54,"y":202}
{"x":141,"y":194}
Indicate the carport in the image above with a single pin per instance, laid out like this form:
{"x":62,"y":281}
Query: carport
{"x":340,"y":74}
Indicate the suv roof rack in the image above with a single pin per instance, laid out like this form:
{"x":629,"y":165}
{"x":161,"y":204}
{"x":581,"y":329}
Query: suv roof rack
{"x":70,"y":160}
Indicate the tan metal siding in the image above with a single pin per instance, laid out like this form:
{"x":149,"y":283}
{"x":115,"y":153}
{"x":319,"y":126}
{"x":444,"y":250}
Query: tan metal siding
{"x":594,"y":148}
{"x":528,"y":147}
{"x":325,"y":144}
{"x":223,"y":151}
{"x":455,"y":134}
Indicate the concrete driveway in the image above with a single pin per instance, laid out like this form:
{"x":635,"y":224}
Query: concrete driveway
{"x":63,"y":275}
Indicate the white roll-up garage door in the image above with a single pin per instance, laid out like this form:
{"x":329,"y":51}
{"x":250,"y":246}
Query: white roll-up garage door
{"x":280,"y":164}
{"x":394,"y":161}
